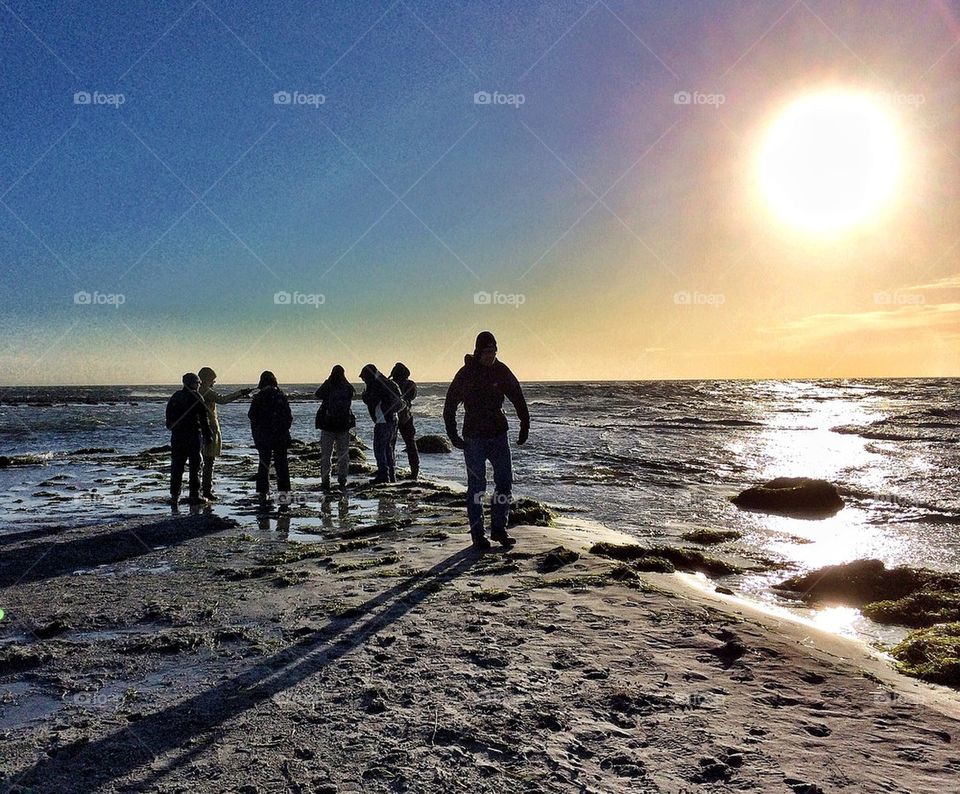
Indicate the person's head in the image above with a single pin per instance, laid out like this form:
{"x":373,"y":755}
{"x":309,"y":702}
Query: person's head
{"x":207,"y":376}
{"x":368,"y":373}
{"x":485,"y":348}
{"x":399,"y":372}
{"x":337,"y":373}
{"x":191,"y":381}
{"x":267,"y":378}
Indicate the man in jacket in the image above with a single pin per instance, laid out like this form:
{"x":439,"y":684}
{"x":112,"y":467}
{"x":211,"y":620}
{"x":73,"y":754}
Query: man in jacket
{"x":408,"y":390}
{"x":270,"y":422}
{"x":212,"y":399}
{"x":189,"y":427}
{"x":383,"y":401}
{"x":334,"y":420}
{"x":481,"y":385}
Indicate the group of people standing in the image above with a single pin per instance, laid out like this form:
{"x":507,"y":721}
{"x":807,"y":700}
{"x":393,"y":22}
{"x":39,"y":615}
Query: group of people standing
{"x":480,"y":386}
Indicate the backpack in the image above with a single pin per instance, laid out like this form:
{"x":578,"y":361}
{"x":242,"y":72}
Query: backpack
{"x":335,"y":413}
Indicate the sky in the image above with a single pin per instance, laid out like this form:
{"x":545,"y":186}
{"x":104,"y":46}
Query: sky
{"x":290,"y":185}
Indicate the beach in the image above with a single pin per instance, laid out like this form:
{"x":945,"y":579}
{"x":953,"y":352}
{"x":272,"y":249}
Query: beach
{"x":197,"y":652}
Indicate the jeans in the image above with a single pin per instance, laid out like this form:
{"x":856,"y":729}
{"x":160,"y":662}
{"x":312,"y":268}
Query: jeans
{"x":384,"y":449}
{"x":182,"y":453}
{"x":207,"y":480}
{"x":476,"y":453}
{"x":409,"y":435}
{"x":279,"y":456}
{"x":327,"y":441}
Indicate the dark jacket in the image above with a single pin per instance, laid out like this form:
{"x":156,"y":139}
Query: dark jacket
{"x":481,"y":390}
{"x":270,"y":418}
{"x":334,"y":414}
{"x":385,"y":393}
{"x":187,"y":419}
{"x":408,"y":390}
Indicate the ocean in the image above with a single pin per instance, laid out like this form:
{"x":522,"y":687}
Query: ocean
{"x":652,"y":459}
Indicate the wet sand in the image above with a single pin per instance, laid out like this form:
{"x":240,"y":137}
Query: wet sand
{"x":197,"y":653}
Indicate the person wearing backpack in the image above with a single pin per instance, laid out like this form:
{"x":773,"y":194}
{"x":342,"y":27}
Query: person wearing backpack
{"x":334,"y":421}
{"x":408,"y":390}
{"x":270,"y":422}
{"x":383,"y":400}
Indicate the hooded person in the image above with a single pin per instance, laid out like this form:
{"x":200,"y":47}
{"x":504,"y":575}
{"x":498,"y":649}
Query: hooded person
{"x":384,"y":401}
{"x":189,"y":426}
{"x":408,"y":390}
{"x":270,"y":422}
{"x":212,"y":399}
{"x":480,"y":386}
{"x":334,"y":421}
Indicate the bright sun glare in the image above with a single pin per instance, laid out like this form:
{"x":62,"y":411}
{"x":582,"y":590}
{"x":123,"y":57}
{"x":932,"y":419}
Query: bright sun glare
{"x":830,"y":161}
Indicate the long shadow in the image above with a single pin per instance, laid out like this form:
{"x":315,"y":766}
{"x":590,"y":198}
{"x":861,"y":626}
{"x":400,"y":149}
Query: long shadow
{"x":95,"y":764}
{"x":39,"y":561}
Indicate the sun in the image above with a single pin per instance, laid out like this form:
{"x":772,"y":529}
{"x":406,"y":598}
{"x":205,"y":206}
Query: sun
{"x":830,"y":161}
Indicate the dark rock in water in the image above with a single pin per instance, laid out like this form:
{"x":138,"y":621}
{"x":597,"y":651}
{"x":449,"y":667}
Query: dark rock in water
{"x":94,"y":451}
{"x":902,"y":596}
{"x":801,"y":497}
{"x":556,"y":558}
{"x":4,"y":462}
{"x":429,"y":445}
{"x":665,"y":559}
{"x":156,"y":450}
{"x":932,"y":654}
{"x":708,"y":537}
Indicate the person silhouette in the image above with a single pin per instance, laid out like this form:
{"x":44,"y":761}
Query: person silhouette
{"x":334,"y":420}
{"x":212,"y":450}
{"x":189,"y":426}
{"x":383,"y":401}
{"x":270,"y":422}
{"x":408,"y":390}
{"x":481,"y":385}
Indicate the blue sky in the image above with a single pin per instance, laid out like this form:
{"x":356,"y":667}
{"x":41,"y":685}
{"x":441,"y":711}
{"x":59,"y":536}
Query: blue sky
{"x":399,"y":197}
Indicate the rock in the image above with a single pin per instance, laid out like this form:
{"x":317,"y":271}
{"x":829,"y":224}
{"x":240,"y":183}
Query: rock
{"x":156,"y":450}
{"x":556,"y":558}
{"x":800,"y":497}
{"x":708,"y":537}
{"x":653,"y":558}
{"x":932,"y":654}
{"x":904,"y":596}
{"x":430,"y":445}
{"x":529,"y":512}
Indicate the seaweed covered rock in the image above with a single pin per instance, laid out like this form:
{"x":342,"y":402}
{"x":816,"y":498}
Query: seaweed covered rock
{"x":904,"y":596}
{"x":531,"y":513}
{"x":801,"y":497}
{"x":709,"y":537}
{"x":430,"y":445}
{"x":932,"y":654}
{"x":556,"y":558}
{"x":664,"y":559}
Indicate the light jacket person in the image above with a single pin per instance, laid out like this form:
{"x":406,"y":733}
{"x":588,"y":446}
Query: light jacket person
{"x":270,"y":423}
{"x":189,"y":426}
{"x":408,"y":390}
{"x":212,"y":399}
{"x":481,"y":386}
{"x":383,"y":401}
{"x":334,"y":420}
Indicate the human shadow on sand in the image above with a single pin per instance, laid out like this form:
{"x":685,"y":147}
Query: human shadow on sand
{"x":39,"y":561}
{"x":96,"y":764}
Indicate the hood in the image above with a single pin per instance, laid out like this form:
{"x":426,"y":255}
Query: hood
{"x":267,"y":378}
{"x":399,"y":372}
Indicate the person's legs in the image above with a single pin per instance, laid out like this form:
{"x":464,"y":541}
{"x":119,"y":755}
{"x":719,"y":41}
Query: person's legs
{"x":409,"y":435}
{"x":392,"y":452}
{"x":326,"y":450}
{"x":475,"y":460}
{"x":282,"y":467}
{"x":381,"y":438}
{"x":263,"y":471}
{"x":343,"y":457}
{"x":178,"y":460}
{"x":195,"y":464}
{"x":498,"y":450}
{"x":207,"y":480}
